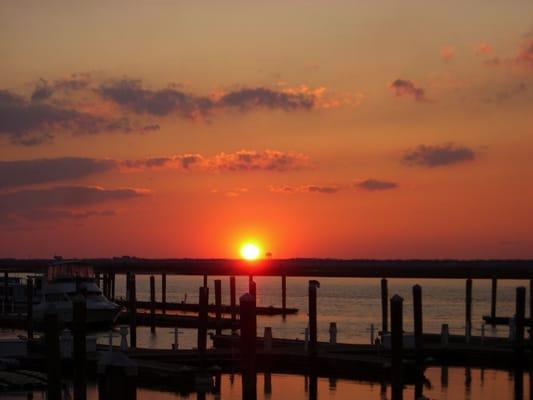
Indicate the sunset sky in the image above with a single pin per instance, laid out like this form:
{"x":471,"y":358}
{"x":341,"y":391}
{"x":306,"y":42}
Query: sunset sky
{"x":347,"y":129}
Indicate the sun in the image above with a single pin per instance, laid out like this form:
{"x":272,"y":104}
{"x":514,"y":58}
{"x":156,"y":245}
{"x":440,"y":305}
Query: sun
{"x":250,"y":251}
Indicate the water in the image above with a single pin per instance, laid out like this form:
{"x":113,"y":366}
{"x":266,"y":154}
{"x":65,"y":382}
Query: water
{"x":354,"y":304}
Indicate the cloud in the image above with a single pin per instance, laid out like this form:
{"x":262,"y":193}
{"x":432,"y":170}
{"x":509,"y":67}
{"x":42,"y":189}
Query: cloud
{"x":508,"y":93}
{"x":406,"y":88}
{"x":31,"y":123}
{"x":483,"y":48}
{"x":375,"y":185}
{"x":62,"y":201}
{"x":447,"y":53}
{"x":522,"y":60}
{"x":321,"y":189}
{"x":438,"y":155}
{"x":131,"y":95}
{"x":29,"y":172}
{"x":251,"y":160}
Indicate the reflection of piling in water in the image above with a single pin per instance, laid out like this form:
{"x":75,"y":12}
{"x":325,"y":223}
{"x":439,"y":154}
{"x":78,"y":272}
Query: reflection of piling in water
{"x":267,"y":388}
{"x":313,"y":387}
{"x":444,"y":375}
{"x":133,"y":310}
{"x":80,"y":348}
{"x":284,"y":294}
{"x":418,"y":325}
{"x":164,"y":293}
{"x":232,"y":291}
{"x":53,"y":356}
{"x":493,"y":297}
{"x":520,"y":311}
{"x":203,"y":295}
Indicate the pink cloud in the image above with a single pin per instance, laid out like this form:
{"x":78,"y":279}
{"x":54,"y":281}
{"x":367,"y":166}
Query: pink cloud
{"x":406,"y":88}
{"x":483,"y":48}
{"x":447,"y":53}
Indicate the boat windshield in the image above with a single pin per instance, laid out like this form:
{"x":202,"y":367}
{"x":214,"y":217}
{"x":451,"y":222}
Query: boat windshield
{"x":69,"y":270}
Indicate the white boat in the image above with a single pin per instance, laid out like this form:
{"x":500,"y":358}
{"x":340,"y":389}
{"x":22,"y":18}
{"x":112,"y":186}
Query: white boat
{"x":66,"y":280}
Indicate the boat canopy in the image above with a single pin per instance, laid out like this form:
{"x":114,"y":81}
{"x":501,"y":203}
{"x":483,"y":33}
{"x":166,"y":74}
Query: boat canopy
{"x":70,"y":270}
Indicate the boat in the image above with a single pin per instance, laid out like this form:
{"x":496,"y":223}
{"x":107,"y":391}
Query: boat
{"x":65,"y":281}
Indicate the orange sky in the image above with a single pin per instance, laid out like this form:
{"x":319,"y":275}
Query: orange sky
{"x":327,"y":129}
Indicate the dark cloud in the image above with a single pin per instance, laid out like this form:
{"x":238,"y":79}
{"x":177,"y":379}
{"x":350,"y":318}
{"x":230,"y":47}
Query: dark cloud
{"x":250,"y":160}
{"x":438,"y":155}
{"x":131,"y":95}
{"x":28,"y":172}
{"x":63,"y":201}
{"x":42,"y":91}
{"x":151,"y":127}
{"x":406,"y":88}
{"x":32,"y":123}
{"x":321,"y":189}
{"x":375,"y":185}
{"x":506,"y":94}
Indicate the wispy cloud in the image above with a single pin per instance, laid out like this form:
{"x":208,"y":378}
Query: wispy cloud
{"x":375,"y":185}
{"x":447,"y":53}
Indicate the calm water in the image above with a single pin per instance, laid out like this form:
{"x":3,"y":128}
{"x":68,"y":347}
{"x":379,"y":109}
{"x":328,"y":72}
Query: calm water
{"x":354,"y":304}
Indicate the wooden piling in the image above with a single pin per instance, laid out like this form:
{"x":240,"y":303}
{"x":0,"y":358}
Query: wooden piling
{"x":284,"y":294}
{"x":152,"y":304}
{"x":468,"y":310}
{"x":112,"y":290}
{"x":493,"y":297}
{"x":203,"y":296}
{"x":164,"y":293}
{"x":53,"y":359}
{"x":520,"y":312}
{"x":248,"y":346}
{"x":233,"y":293}
{"x":252,"y":288}
{"x":133,"y":312}
{"x":29,"y":308}
{"x":384,"y":306}
{"x":313,"y":285}
{"x":205,"y":282}
{"x":396,"y":306}
{"x":6,"y":291}
{"x":418,"y":323}
{"x":80,"y":348}
{"x":218,"y":306}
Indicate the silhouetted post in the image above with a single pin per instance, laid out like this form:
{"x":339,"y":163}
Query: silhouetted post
{"x":117,"y":377}
{"x":218,"y":306}
{"x":267,"y":388}
{"x":283,"y":294}
{"x":233,"y":294}
{"x":313,"y":285}
{"x":313,"y":386}
{"x":80,"y":348}
{"x":418,"y":323}
{"x":105,"y":284}
{"x":248,"y":345}
{"x":164,"y":293}
{"x":152,"y":304}
{"x":252,"y":288}
{"x":112,"y":286}
{"x":133,"y":312}
{"x":520,"y":313}
{"x":51,"y":326}
{"x":203,"y":295}
{"x":468,"y":310}
{"x":97,"y":278}
{"x":396,"y":307}
{"x":384,"y":306}
{"x":6,"y":291}
{"x":205,"y":282}
{"x":493,"y":296}
{"x":29,"y":307}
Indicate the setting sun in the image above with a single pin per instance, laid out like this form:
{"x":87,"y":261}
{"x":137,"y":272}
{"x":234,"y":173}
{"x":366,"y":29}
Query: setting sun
{"x":250,"y":251}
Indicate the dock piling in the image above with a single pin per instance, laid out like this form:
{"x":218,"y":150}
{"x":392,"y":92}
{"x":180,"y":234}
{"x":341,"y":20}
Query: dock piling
{"x":468,"y":310}
{"x":267,"y":339}
{"x":133,"y":311}
{"x":202,"y":326}
{"x":29,"y":307}
{"x":80,"y":348}
{"x":418,"y":324}
{"x":218,"y":305}
{"x":53,"y":357}
{"x":284,"y":294}
{"x":396,"y":307}
{"x":112,"y":286}
{"x":6,"y":291}
{"x":152,"y":304}
{"x":252,"y":286}
{"x":520,"y":312}
{"x":313,"y":285}
{"x":493,"y":297}
{"x":248,"y":346}
{"x":384,"y":306}
{"x":164,"y":293}
{"x":233,"y":294}
{"x":332,"y":333}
